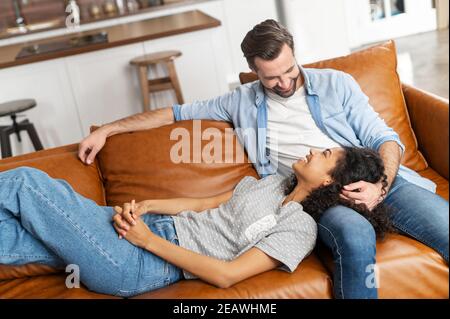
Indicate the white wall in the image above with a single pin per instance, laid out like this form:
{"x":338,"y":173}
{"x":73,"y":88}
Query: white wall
{"x":319,"y":28}
{"x":240,"y":17}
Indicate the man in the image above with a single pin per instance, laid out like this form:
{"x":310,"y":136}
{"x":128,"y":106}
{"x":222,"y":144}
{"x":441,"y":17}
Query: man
{"x":293,"y":109}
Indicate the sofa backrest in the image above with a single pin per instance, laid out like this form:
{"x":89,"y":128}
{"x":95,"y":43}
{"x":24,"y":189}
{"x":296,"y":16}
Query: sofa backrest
{"x":143,"y":165}
{"x":375,"y":70}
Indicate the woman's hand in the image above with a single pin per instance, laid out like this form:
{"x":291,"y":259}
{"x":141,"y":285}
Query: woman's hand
{"x":138,"y":234}
{"x":132,"y":210}
{"x":136,"y":231}
{"x":128,"y":215}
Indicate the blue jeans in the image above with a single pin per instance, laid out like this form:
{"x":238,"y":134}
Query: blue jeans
{"x":43,"y":220}
{"x":418,"y":213}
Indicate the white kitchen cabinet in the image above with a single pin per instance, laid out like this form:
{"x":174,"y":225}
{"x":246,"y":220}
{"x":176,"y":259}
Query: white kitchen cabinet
{"x":105,"y":86}
{"x":319,"y":28}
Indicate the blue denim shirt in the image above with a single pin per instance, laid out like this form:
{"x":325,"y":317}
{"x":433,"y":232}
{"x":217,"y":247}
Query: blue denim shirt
{"x":337,"y":104}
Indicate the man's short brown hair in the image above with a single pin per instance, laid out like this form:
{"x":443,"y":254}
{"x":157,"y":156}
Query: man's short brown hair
{"x":265,"y":41}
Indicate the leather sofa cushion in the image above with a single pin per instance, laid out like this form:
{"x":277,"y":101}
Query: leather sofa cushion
{"x":375,"y":70}
{"x":407,"y":269}
{"x":442,"y":183}
{"x":138,"y":165}
{"x":45,"y":287}
{"x":309,"y":281}
{"x":61,"y":163}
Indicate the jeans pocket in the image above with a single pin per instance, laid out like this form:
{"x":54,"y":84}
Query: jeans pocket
{"x":149,"y":273}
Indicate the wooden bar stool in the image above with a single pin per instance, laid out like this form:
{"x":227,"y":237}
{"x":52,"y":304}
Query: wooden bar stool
{"x":160,"y":84}
{"x":11,"y":109}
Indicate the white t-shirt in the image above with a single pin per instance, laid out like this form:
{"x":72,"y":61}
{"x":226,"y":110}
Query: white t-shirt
{"x":292,"y":131}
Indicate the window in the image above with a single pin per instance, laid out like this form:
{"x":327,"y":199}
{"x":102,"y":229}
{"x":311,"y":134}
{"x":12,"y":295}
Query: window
{"x":381,"y":9}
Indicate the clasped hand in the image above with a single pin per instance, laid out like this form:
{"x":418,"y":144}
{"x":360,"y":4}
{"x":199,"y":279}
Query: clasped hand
{"x":128,"y":223}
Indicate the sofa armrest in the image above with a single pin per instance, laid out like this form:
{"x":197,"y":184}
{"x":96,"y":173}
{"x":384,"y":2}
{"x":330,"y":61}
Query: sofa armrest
{"x":429,"y":120}
{"x":62,"y":162}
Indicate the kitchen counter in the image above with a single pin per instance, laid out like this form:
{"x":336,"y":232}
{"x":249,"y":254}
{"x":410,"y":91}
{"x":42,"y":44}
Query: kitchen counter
{"x":59,"y":23}
{"x":118,"y":35}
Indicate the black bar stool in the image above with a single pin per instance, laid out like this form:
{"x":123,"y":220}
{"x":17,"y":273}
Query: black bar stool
{"x":11,"y":109}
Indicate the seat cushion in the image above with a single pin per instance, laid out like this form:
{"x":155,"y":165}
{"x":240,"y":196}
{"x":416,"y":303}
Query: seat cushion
{"x":138,"y":165}
{"x":409,"y":269}
{"x":375,"y":70}
{"x":45,"y":287}
{"x":442,"y":183}
{"x":406,"y":268}
{"x":17,"y":106}
{"x":310,"y":280}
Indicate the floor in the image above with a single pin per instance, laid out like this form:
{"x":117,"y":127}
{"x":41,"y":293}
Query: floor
{"x":423,"y":61}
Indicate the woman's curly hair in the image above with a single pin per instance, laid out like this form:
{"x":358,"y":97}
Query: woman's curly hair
{"x":357,"y":164}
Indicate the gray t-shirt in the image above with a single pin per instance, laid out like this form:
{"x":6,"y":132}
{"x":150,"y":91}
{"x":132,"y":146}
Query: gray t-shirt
{"x":253,"y":217}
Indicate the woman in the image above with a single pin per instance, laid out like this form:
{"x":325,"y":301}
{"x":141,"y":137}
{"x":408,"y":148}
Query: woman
{"x":259,"y":226}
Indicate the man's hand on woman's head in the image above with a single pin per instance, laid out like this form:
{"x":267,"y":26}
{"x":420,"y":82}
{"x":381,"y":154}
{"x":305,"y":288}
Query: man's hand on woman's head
{"x":364,"y":193}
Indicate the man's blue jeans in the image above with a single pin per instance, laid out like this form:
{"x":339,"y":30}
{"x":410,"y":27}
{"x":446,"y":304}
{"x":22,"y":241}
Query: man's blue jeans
{"x":418,"y":213}
{"x":43,"y":220}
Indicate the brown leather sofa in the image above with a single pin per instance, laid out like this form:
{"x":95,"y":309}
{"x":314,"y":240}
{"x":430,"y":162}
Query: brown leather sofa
{"x":137,"y":165}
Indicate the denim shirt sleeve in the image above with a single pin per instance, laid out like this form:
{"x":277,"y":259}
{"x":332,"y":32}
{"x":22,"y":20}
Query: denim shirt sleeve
{"x":217,"y":109}
{"x":369,"y":127}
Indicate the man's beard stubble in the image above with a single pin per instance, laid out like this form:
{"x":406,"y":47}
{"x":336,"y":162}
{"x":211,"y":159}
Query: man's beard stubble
{"x":279,"y":92}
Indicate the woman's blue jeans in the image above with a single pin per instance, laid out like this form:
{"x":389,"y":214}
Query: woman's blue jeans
{"x":43,"y":220}
{"x":418,"y":213}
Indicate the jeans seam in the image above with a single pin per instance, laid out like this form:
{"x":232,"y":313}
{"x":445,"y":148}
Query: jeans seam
{"x":26,"y":256}
{"x":340,"y":258}
{"x":147,"y":288}
{"x":62,"y":213}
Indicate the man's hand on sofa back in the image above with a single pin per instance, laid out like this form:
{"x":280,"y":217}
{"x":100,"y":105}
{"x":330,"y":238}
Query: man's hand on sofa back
{"x":91,"y":145}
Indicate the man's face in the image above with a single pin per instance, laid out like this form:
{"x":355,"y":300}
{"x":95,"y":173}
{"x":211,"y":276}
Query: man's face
{"x":280,"y":76}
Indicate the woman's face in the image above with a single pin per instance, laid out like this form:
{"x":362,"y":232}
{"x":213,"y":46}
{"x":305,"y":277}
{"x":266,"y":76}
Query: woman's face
{"x":313,"y":170}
